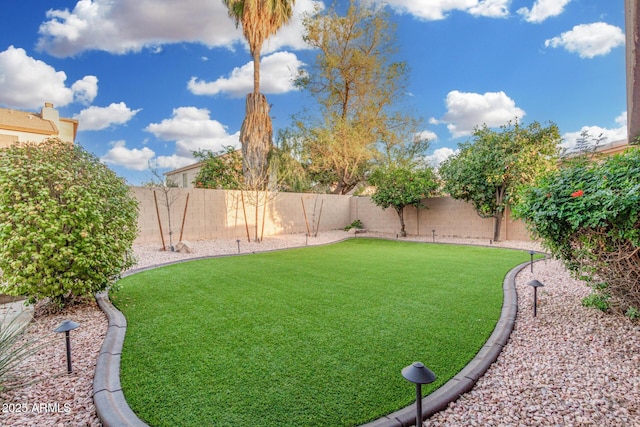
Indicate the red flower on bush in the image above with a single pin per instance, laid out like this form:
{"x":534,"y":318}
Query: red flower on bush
{"x":577,"y":193}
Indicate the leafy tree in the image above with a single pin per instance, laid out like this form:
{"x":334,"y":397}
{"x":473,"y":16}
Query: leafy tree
{"x":67,"y":222}
{"x":292,"y":174}
{"x":221,"y":170}
{"x":260,"y":19}
{"x":398,"y":187}
{"x":588,"y":215}
{"x":357,"y":86}
{"x":488,"y":170}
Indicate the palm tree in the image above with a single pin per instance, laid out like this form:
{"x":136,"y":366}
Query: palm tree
{"x":260,"y":19}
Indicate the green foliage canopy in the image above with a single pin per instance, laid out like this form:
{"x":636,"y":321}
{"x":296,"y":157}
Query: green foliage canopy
{"x":221,"y":170}
{"x":488,"y":170}
{"x":358,"y":89}
{"x":588,"y":215}
{"x":67,"y":222}
{"x":398,"y":187}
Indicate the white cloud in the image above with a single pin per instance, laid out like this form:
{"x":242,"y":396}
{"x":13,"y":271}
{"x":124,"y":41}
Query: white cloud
{"x":290,"y":36}
{"x":439,"y":156}
{"x":431,"y":10}
{"x":134,"y":159}
{"x":172,"y":162}
{"x":468,"y":110}
{"x":569,"y":139}
{"x":29,"y":83}
{"x":543,"y":9}
{"x":428,"y":135}
{"x":122,"y":26}
{"x":277,"y":72}
{"x":98,"y":118}
{"x":491,"y":8}
{"x":589,"y":40}
{"x":192,"y":129}
{"x":85,"y":90}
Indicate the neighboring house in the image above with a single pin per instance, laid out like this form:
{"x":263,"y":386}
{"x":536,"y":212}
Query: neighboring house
{"x":184,"y":177}
{"x":604,"y":150}
{"x":23,"y":126}
{"x":612,"y":148}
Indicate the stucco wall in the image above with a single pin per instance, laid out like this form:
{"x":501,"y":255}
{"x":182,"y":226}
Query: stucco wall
{"x":213,"y":214}
{"x":448,"y":217}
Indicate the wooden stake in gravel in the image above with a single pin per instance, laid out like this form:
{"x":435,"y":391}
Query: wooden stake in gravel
{"x":155,"y":198}
{"x":184,"y":215}
{"x":264,"y":213}
{"x":244,"y":210}
{"x":319,"y":216}
{"x":304,"y":211}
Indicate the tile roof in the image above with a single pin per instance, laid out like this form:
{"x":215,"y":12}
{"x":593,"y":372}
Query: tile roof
{"x":24,"y":121}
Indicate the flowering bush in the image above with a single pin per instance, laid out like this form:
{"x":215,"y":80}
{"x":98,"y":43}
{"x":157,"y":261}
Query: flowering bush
{"x":588,"y":215}
{"x":67,"y":222}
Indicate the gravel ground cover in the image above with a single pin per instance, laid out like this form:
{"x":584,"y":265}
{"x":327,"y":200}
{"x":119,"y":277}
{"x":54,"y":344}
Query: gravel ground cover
{"x":569,"y":366}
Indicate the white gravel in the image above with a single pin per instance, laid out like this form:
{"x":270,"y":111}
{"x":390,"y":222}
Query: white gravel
{"x":569,"y":366}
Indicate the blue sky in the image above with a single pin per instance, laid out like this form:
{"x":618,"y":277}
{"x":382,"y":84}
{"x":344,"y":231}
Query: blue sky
{"x":154,"y":80}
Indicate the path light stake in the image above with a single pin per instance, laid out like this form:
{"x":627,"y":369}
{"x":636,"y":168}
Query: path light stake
{"x":238,"y":242}
{"x":535,"y":284}
{"x":418,"y":374}
{"x":532,"y":253}
{"x":433,"y":232}
{"x":65,"y":327}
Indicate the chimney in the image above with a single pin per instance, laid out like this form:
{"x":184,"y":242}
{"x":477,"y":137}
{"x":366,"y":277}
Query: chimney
{"x":49,"y":113}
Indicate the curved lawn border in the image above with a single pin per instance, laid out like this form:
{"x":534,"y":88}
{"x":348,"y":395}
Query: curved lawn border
{"x":113,"y":410}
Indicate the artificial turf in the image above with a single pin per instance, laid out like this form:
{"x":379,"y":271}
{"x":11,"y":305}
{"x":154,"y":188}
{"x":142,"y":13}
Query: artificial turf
{"x":315,"y":336}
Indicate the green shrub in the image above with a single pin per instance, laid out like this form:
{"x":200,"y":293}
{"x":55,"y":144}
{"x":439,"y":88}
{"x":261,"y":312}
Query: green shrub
{"x":597,"y":300}
{"x":67,"y":222}
{"x":355,"y":224}
{"x":633,"y":313}
{"x":588,"y":215}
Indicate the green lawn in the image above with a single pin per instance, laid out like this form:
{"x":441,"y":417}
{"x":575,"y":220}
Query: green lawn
{"x":314,"y":336}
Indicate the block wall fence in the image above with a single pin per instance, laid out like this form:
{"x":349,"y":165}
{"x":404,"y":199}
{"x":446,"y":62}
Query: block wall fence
{"x":224,"y":214}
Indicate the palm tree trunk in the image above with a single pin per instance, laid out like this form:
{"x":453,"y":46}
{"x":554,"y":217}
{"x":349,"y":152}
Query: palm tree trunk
{"x":256,"y":71}
{"x":256,"y":139}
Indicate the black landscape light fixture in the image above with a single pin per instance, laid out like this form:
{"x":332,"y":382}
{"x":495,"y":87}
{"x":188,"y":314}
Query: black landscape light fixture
{"x":433,"y":232}
{"x":535,"y":285}
{"x":238,"y":242}
{"x":65,"y":327}
{"x":418,"y":374}
{"x":532,"y":253}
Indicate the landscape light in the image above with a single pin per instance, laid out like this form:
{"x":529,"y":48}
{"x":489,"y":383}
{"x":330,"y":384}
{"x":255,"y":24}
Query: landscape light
{"x":418,"y":374}
{"x":532,"y":253}
{"x":65,"y":327}
{"x":535,"y":284}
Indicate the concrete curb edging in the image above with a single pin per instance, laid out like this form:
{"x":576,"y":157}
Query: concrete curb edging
{"x":108,"y":398}
{"x":113,"y":411}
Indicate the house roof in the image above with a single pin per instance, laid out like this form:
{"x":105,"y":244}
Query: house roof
{"x":184,"y":168}
{"x":24,"y":121}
